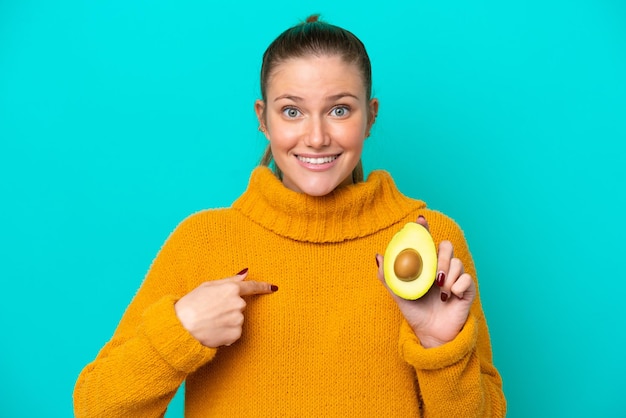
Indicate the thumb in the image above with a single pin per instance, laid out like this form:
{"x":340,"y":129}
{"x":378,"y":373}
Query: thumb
{"x":239,"y":277}
{"x":422,"y":221}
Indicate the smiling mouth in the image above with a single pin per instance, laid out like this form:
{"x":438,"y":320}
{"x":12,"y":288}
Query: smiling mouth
{"x":318,"y":160}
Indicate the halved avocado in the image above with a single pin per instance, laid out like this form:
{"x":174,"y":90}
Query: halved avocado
{"x":410,"y":262}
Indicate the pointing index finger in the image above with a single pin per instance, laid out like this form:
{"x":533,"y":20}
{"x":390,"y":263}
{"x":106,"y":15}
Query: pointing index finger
{"x":251,"y":287}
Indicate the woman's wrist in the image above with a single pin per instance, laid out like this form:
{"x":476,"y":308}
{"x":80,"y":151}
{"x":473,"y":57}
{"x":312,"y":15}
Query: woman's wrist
{"x":429,"y":342}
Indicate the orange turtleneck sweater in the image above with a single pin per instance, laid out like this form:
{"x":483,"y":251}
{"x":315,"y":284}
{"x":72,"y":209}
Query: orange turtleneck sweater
{"x":330,"y":342}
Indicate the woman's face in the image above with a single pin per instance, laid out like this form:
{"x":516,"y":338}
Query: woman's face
{"x":316,"y":118}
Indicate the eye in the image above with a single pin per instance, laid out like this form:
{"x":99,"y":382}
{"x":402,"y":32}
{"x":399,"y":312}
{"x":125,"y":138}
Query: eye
{"x":291,"y":112}
{"x":340,"y":111}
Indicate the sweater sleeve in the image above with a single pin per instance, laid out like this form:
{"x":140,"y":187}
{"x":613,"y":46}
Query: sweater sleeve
{"x":139,"y":370}
{"x":457,"y":378}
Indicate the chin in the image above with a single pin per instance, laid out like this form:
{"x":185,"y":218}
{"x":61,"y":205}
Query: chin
{"x":319,"y":190}
{"x":318,"y":193}
{"x":316,"y":184}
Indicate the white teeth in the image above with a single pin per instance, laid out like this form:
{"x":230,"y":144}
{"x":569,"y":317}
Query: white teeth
{"x":322,"y":160}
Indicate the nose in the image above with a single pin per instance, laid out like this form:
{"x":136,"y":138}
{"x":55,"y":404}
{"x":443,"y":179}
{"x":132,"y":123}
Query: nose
{"x":317,"y":135}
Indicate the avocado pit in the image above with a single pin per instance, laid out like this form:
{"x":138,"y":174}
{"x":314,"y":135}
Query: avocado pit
{"x":408,"y":265}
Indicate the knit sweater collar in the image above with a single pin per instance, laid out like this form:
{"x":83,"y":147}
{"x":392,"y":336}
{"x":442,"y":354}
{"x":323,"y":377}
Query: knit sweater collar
{"x":348,"y":212}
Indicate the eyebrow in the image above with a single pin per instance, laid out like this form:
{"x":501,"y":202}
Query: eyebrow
{"x":328,"y":99}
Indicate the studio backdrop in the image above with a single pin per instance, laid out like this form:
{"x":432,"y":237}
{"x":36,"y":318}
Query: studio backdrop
{"x":120,"y":118}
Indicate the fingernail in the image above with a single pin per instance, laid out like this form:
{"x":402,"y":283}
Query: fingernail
{"x":441,"y":277}
{"x":273,"y":288}
{"x":444,"y":296}
{"x":421,"y":217}
{"x":244,"y":271}
{"x":377,"y":263}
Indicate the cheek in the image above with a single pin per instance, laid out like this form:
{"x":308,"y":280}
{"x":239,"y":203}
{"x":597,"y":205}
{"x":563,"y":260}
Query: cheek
{"x":354,"y":132}
{"x":283,"y":136}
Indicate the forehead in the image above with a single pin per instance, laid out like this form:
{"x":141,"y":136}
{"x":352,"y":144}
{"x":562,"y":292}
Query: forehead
{"x":315,"y":74}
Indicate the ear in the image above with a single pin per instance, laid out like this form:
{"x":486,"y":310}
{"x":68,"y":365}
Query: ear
{"x":259,"y":109}
{"x":373,"y":112}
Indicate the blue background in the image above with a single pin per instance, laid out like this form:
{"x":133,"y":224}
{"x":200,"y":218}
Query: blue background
{"x":120,"y":118}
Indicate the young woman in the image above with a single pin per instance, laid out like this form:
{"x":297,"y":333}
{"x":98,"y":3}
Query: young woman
{"x":334,"y":341}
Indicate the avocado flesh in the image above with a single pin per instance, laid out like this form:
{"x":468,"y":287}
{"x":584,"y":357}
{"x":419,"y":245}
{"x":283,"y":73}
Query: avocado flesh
{"x":415,"y":237}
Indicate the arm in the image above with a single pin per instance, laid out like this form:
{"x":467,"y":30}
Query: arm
{"x":163,"y":336}
{"x":446,"y":339}
{"x":139,"y":370}
{"x":457,"y":378}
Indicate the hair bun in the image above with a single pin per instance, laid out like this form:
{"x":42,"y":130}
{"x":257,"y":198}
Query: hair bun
{"x":312,"y":18}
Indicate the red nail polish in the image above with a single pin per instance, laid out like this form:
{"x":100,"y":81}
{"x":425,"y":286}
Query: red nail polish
{"x":444,"y":296}
{"x":441,"y":277}
{"x":273,"y":288}
{"x":244,"y":271}
{"x":377,"y":263}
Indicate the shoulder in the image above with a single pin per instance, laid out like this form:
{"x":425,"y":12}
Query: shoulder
{"x":441,"y":225}
{"x":203,"y":225}
{"x":444,"y":228}
{"x":206,"y":216}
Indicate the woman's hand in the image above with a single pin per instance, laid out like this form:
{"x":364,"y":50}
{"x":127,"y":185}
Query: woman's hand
{"x":439,"y":315}
{"x":213,"y":311}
